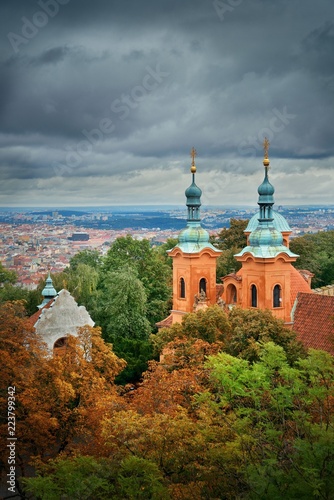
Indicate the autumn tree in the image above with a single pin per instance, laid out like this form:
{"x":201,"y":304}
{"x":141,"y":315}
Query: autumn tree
{"x":60,"y":400}
{"x":174,"y":442}
{"x":20,"y":353}
{"x":239,"y":332}
{"x":211,"y":325}
{"x":79,"y":389}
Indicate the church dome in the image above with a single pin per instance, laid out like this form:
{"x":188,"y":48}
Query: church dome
{"x":279,"y":222}
{"x":194,"y":233}
{"x":193,"y":194}
{"x":49,"y":290}
{"x":266,"y":190}
{"x":265,"y":235}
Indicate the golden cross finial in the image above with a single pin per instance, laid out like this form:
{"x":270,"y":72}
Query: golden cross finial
{"x":266,"y":145}
{"x":193,"y":154}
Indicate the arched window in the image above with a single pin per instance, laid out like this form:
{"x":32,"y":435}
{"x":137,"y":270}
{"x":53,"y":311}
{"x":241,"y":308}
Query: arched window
{"x":277,"y":300}
{"x":202,"y":285}
{"x":59,"y":347}
{"x":253,"y":296}
{"x":60,"y":343}
{"x":231,"y":294}
{"x":182,"y":288}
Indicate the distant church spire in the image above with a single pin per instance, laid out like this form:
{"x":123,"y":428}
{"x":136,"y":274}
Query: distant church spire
{"x":49,"y":292}
{"x":193,"y":193}
{"x":194,"y":259}
{"x":267,"y":278}
{"x":194,"y":237}
{"x":266,"y":190}
{"x":265,"y":240}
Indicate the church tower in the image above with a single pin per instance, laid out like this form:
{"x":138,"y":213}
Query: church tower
{"x":48,"y":292}
{"x":194,"y":259}
{"x":267,"y":279}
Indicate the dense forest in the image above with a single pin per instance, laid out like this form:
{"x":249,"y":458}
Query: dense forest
{"x":224,"y":405}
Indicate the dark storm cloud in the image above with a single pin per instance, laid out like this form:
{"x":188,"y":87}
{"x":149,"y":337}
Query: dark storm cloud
{"x":52,"y":56}
{"x":108,"y":89}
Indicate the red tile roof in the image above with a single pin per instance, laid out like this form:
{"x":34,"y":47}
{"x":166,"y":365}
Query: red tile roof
{"x":297,"y":284}
{"x":33,"y":319}
{"x":314,"y":321}
{"x":165,"y":323}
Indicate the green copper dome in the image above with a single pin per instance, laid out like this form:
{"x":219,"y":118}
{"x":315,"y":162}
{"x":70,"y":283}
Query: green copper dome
{"x":266,"y":190}
{"x":49,"y":292}
{"x":193,"y":194}
{"x":265,"y":239}
{"x":194,"y":238}
{"x":265,"y":234}
{"x":279,"y":222}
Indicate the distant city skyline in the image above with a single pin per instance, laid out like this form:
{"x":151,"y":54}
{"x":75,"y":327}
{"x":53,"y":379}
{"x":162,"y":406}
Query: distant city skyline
{"x":101,"y":102}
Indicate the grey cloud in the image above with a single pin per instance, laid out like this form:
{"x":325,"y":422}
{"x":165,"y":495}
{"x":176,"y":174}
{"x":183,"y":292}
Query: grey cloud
{"x":52,"y":56}
{"x":229,"y":82}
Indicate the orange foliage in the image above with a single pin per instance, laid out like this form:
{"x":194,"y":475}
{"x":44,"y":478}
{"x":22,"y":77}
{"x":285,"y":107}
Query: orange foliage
{"x":60,"y":401}
{"x":173,"y":382}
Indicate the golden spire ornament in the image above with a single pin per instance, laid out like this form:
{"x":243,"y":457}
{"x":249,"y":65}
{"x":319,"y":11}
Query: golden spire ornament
{"x":266,"y":145}
{"x":193,"y":154}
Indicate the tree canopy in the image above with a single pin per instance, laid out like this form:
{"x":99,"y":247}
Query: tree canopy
{"x":151,"y":268}
{"x":232,"y":410}
{"x":316,"y":255}
{"x":230,"y":240}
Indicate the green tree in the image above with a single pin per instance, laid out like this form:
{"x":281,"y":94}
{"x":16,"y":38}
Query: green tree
{"x":122,"y":315}
{"x":151,"y":268}
{"x":80,"y":278}
{"x":30,"y":298}
{"x":85,"y":477}
{"x":123,"y":306}
{"x":230,"y":240}
{"x":281,"y":418}
{"x":226,"y":263}
{"x":211,"y":325}
{"x":81,"y":281}
{"x":232,"y":237}
{"x":140,"y":478}
{"x":316,"y":255}
{"x":91,"y":258}
{"x":239,"y":332}
{"x":7,"y":276}
{"x":162,"y":250}
{"x":250,"y":328}
{"x":76,"y":478}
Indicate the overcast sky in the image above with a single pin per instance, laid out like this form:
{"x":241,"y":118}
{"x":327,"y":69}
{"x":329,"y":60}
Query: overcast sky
{"x":101,"y":101}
